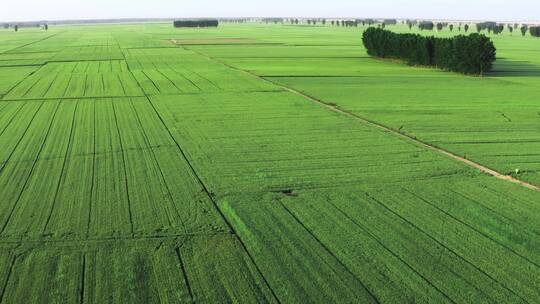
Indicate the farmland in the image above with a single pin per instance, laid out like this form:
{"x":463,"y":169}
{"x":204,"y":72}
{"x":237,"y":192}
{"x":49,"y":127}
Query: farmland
{"x":262,"y":164}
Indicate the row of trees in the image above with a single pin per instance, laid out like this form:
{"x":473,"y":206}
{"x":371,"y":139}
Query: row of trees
{"x":27,"y":24}
{"x":490,"y":27}
{"x":273,"y":20}
{"x":535,"y":31}
{"x":196,"y":23}
{"x":345,"y":23}
{"x":473,"y":54}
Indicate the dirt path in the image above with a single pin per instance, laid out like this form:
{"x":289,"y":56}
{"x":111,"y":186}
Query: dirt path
{"x":379,"y":126}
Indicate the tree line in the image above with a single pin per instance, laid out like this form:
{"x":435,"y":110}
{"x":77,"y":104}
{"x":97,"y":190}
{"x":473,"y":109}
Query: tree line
{"x":16,"y":27}
{"x":535,"y":31}
{"x":473,"y":54}
{"x":489,"y":26}
{"x":196,"y":23}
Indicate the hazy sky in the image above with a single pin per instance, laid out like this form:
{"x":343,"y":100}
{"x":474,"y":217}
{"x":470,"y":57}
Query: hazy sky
{"x":497,"y":10}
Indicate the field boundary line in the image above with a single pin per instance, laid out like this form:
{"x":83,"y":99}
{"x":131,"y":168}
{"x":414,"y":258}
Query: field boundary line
{"x":109,"y":239}
{"x":21,"y":65}
{"x":184,"y":272}
{"x":83,"y":278}
{"x":387,"y":129}
{"x":89,"y":217}
{"x":126,"y":177}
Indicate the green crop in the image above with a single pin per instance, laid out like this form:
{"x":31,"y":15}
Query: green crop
{"x":146,"y":164}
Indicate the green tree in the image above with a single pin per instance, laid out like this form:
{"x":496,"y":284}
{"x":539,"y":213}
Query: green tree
{"x":466,"y":28}
{"x":497,"y":29}
{"x":426,"y":25}
{"x":473,"y":54}
{"x":451,"y":27}
{"x":535,"y":31}
{"x":524,"y":29}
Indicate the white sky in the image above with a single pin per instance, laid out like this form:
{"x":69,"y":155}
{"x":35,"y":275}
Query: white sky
{"x":497,"y":10}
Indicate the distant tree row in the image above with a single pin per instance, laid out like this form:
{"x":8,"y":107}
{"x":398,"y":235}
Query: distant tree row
{"x":535,"y":31}
{"x":16,"y":27}
{"x":426,"y":25}
{"x":196,"y":23}
{"x":273,"y":20}
{"x":235,"y":20}
{"x":489,"y":26}
{"x":473,"y":54}
{"x":345,"y":23}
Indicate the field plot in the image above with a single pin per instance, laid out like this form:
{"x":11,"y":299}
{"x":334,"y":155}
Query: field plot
{"x":10,"y":76}
{"x":91,"y":52}
{"x":77,"y":79}
{"x":145,"y":164}
{"x":175,"y":71}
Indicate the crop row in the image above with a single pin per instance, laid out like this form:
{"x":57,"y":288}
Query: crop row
{"x":72,"y":85}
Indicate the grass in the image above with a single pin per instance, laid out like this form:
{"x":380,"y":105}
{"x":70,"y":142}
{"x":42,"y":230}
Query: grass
{"x":142,"y":163}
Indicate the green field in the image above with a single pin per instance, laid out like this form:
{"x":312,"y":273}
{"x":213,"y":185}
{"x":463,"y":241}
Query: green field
{"x":145,"y":164}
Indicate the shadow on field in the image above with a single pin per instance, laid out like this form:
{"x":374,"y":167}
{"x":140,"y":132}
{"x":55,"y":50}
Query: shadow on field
{"x":509,"y":68}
